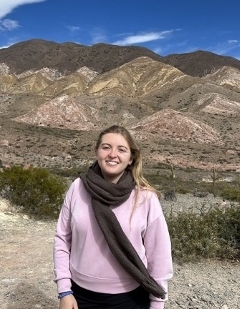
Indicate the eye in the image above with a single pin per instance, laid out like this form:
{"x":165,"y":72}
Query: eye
{"x":122,"y":150}
{"x":105,"y":147}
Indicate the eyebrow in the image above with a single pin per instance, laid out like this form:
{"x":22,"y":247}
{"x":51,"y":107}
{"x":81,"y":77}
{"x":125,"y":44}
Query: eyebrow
{"x":117,"y":146}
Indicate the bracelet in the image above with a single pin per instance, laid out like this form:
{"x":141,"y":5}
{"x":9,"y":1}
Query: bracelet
{"x":61,"y":295}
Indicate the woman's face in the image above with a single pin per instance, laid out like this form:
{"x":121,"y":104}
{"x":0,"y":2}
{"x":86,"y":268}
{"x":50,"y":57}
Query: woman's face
{"x":113,"y":156}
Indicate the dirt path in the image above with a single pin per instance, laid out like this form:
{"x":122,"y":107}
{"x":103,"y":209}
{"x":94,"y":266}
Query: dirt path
{"x":26,"y":278}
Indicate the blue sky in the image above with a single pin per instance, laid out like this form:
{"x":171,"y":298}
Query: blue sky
{"x":164,"y":26}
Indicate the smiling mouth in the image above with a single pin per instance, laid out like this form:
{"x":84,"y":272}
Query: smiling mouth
{"x":112,"y":163}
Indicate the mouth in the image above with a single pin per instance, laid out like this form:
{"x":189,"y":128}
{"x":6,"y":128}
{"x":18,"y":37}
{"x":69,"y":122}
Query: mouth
{"x":112,"y":163}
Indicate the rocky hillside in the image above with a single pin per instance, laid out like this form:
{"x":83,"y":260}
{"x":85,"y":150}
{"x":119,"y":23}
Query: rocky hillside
{"x":54,"y":98}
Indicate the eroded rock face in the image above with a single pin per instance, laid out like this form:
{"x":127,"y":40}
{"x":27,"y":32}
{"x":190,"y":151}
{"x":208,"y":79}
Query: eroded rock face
{"x":62,"y":112}
{"x":172,"y":125}
{"x":176,"y":118}
{"x":4,"y":69}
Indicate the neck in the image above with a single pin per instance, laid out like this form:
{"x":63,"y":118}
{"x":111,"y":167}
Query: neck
{"x":112,"y":179}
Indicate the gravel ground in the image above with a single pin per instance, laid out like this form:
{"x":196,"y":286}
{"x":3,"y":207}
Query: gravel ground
{"x":26,"y":278}
{"x":188,"y":202}
{"x":208,"y":284}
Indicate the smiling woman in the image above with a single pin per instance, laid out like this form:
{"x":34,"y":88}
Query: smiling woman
{"x":113,"y":156}
{"x":112,"y":247}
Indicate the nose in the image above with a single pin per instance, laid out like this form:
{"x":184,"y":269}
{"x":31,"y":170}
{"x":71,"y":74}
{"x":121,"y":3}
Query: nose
{"x":112,"y":153}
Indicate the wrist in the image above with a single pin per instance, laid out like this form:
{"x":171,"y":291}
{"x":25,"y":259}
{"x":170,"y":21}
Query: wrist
{"x":63,"y":294}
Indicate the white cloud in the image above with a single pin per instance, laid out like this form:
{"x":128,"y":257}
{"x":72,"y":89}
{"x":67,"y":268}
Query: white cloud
{"x":6,"y":6}
{"x":8,"y":24}
{"x":145,"y":37}
{"x":98,"y":36}
{"x":4,"y":46}
{"x":158,"y":50}
{"x":232,"y":41}
{"x":9,"y":43}
{"x":225,"y":48}
{"x":73,"y":28}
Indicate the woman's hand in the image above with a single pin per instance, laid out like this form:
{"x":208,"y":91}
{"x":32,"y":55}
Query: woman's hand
{"x":68,"y":302}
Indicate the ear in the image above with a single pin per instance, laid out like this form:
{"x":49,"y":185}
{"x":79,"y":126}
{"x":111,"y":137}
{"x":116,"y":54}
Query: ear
{"x":130,"y":161}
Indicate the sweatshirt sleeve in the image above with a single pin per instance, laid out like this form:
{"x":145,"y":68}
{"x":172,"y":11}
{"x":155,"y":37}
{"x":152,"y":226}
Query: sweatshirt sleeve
{"x":158,"y":250}
{"x":62,"y":245}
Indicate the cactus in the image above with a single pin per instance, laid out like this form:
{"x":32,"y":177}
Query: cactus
{"x":215,"y":177}
{"x":172,"y":172}
{"x":171,"y":193}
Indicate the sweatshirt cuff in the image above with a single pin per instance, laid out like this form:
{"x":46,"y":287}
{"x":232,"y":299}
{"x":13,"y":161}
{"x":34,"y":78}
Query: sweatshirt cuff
{"x":156,"y":304}
{"x":63,"y":285}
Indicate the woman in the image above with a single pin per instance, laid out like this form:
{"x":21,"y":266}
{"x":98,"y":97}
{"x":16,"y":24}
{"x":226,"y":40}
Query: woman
{"x":112,"y":247}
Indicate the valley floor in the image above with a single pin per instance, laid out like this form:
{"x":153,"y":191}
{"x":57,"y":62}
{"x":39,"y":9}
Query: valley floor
{"x":26,"y":278}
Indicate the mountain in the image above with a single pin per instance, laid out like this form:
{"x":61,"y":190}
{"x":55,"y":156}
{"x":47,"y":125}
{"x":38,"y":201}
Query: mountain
{"x":68,"y":57}
{"x":200,"y":63}
{"x":184,"y":110}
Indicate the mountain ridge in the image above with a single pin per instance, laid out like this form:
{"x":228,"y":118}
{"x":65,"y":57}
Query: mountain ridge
{"x":68,"y":57}
{"x":48,"y":114}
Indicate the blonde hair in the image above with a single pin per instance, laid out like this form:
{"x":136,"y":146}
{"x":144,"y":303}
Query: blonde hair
{"x":136,"y":166}
{"x":136,"y":155}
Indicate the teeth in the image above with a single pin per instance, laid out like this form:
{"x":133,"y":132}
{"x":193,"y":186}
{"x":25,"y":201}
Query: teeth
{"x":112,"y":162}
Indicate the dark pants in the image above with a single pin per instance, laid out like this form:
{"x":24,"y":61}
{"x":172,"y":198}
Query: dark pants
{"x":136,"y":299}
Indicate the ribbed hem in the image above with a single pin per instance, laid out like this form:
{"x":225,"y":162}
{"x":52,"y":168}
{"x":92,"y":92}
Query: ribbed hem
{"x":101,"y":285}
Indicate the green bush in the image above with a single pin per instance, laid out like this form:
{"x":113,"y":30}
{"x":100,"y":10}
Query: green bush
{"x":71,"y":173}
{"x":166,"y":183}
{"x":230,"y":193}
{"x":211,"y":234}
{"x":36,"y":191}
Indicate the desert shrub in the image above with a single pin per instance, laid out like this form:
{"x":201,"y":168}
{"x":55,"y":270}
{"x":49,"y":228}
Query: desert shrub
{"x":72,"y":172}
{"x":35,"y":191}
{"x":231,"y":193}
{"x":69,"y":173}
{"x":165,"y":183}
{"x":211,"y":234}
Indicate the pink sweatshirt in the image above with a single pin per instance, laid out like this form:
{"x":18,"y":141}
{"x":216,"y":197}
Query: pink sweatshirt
{"x":82,"y":254}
